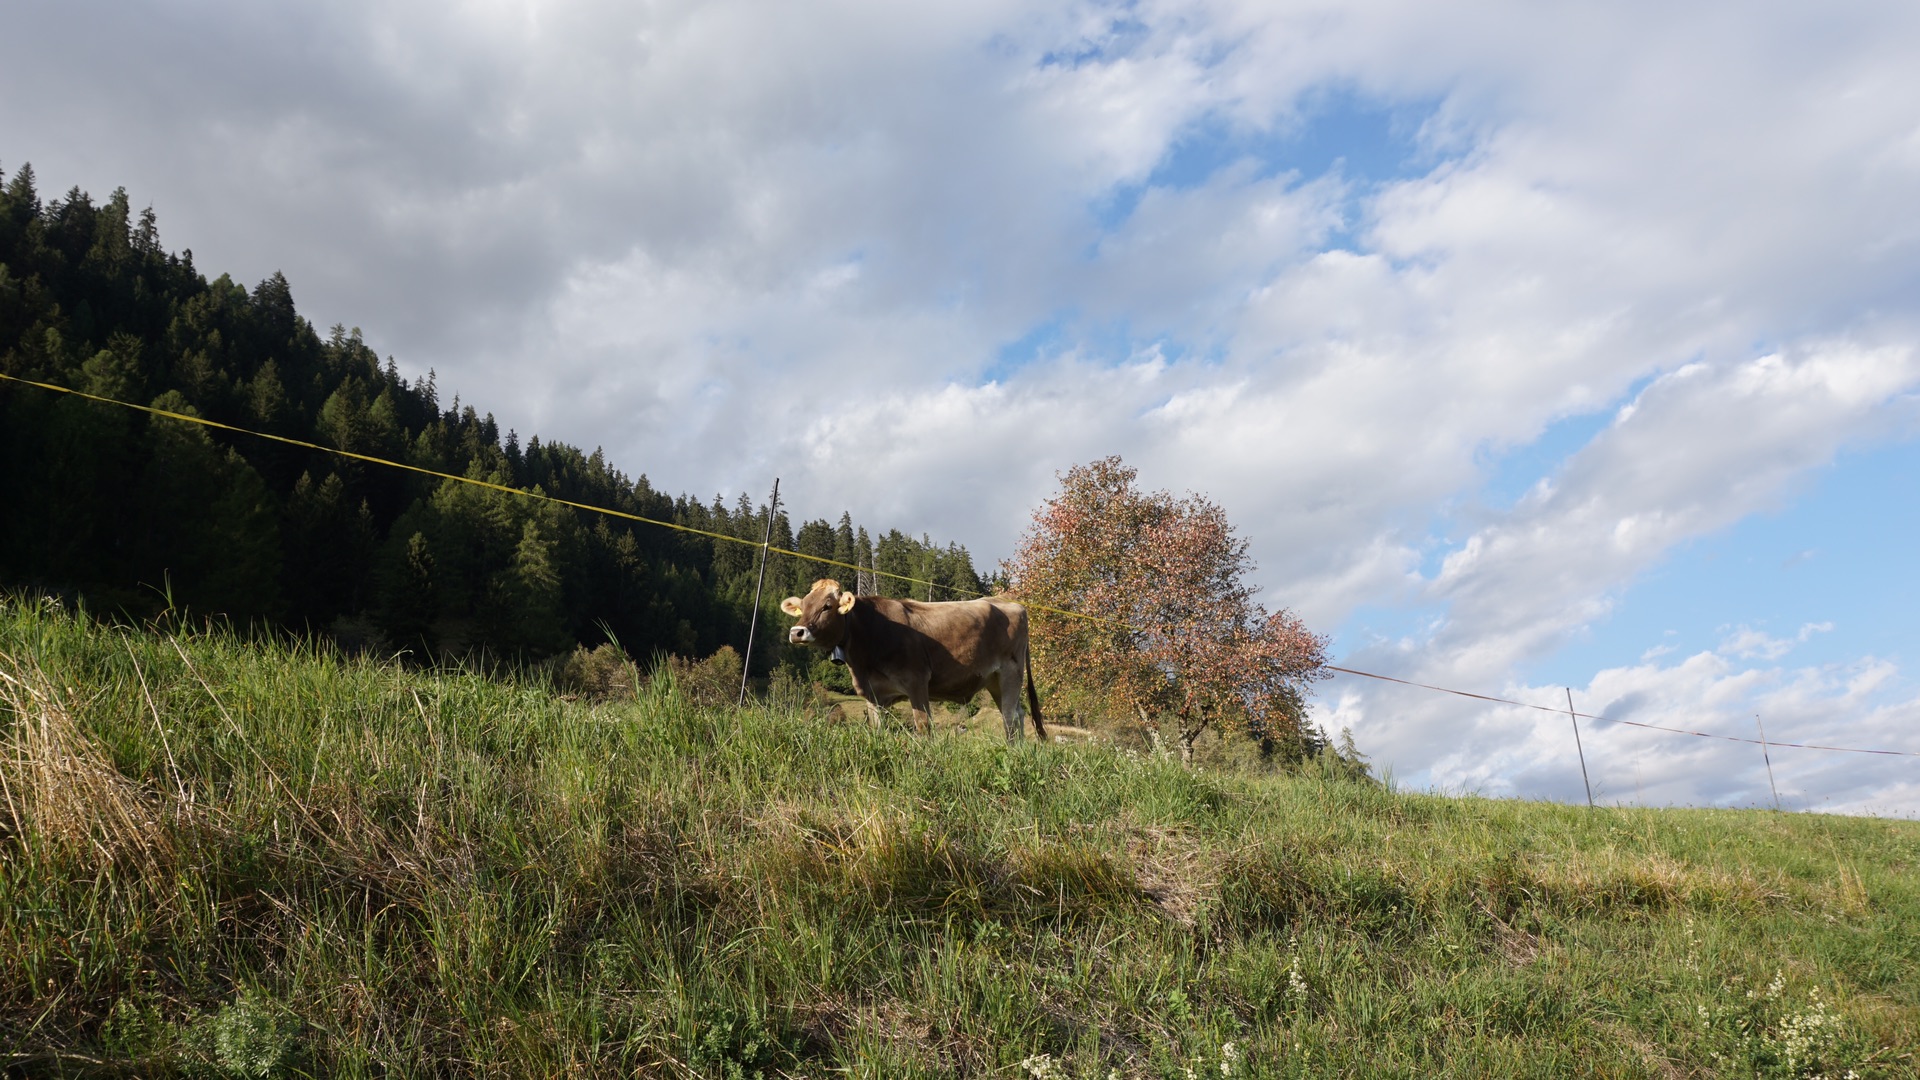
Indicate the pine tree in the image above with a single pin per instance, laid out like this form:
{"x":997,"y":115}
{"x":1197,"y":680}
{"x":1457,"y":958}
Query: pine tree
{"x":146,"y":241}
{"x":405,"y":602}
{"x":205,"y":521}
{"x":116,"y":371}
{"x":863,"y":557}
{"x":329,"y":545}
{"x":23,"y":202}
{"x":112,"y":249}
{"x":816,"y":539}
{"x":846,"y":550}
{"x":896,"y":557}
{"x":533,"y":596}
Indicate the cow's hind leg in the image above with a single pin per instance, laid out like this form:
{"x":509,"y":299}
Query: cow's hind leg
{"x":1007,"y":690}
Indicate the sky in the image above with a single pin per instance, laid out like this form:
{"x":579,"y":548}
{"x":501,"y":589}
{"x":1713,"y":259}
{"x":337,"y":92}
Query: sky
{"x":1536,"y":349}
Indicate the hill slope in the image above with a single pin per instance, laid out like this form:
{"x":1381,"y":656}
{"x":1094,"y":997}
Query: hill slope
{"x":249,"y":859}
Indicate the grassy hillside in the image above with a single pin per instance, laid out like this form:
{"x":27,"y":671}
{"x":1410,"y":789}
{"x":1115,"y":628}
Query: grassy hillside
{"x":222,"y":858}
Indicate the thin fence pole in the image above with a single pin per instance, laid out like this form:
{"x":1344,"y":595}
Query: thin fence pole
{"x":1581,"y":749}
{"x":1768,"y":758}
{"x":766,"y":545}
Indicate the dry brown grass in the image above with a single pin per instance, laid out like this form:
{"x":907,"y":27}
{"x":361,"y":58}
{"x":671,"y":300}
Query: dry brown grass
{"x":1174,"y":870}
{"x":1614,"y":879}
{"x":60,"y":790}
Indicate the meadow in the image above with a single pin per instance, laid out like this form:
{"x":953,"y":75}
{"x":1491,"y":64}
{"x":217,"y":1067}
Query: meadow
{"x":256,"y":858}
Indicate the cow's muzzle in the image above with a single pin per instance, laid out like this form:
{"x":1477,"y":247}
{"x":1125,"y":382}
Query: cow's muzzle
{"x":800,"y":635}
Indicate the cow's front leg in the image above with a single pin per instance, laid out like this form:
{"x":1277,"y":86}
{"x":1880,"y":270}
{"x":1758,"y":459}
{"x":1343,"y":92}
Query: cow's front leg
{"x":922,"y":710}
{"x":869,"y":692}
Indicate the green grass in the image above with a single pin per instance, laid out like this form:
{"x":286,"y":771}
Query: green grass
{"x":227,"y":858}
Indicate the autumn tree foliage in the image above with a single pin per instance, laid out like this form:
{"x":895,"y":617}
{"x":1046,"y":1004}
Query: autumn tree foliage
{"x":1175,"y":634}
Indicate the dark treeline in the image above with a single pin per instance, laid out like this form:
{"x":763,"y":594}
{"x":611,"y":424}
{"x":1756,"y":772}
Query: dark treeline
{"x":137,"y":514}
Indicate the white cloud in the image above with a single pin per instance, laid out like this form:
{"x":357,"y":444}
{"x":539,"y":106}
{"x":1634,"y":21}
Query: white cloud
{"x":1747,"y":643}
{"x":1506,"y":751}
{"x":1650,"y":482}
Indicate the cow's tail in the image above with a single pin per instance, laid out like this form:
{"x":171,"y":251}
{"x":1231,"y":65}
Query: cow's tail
{"x":1033,"y":702}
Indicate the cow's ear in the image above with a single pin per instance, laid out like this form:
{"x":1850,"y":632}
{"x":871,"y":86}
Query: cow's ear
{"x":793,"y":606}
{"x":846,"y":602}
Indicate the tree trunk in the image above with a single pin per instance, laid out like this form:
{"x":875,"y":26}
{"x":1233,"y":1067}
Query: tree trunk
{"x":1187,"y":736}
{"x":1153,"y":729}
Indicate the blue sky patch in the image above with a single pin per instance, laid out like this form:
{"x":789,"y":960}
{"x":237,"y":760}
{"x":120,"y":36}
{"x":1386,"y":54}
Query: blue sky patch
{"x":1372,"y":625}
{"x":1513,"y":472}
{"x":1049,"y":338}
{"x":1825,"y":558}
{"x":1123,"y":33}
{"x":1108,"y":343}
{"x":1371,"y":143}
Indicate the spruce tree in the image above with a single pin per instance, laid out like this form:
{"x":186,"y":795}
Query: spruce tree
{"x":533,"y":596}
{"x":405,"y":606}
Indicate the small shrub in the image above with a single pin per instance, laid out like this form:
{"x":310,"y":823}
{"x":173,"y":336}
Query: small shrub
{"x":603,"y":674}
{"x":250,"y":1038}
{"x":788,"y":691}
{"x":134,"y":1030}
{"x":823,"y":697}
{"x":836,"y":678}
{"x":735,"y":1043}
{"x":712,"y":682}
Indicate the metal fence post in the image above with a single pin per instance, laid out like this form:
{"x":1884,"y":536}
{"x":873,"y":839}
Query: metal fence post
{"x":766,"y":543}
{"x":1582,"y":750}
{"x":1768,"y":758}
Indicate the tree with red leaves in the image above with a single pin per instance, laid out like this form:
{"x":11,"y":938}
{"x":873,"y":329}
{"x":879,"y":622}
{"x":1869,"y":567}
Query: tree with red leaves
{"x":1173,"y":630}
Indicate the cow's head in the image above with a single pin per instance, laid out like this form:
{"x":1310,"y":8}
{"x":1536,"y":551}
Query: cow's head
{"x":822,"y":614}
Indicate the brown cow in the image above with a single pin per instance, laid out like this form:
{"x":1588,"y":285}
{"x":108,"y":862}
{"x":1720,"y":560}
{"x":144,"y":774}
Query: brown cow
{"x":922,"y":652}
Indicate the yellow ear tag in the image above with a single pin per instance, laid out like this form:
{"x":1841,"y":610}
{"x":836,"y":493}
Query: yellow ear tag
{"x":846,"y":602}
{"x":792,"y":606}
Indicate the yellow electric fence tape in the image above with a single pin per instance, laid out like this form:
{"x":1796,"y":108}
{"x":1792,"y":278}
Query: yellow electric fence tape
{"x":522,"y":492}
{"x":543,"y":496}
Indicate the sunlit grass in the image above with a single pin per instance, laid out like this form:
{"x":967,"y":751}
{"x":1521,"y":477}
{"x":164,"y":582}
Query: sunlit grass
{"x":247,"y":858}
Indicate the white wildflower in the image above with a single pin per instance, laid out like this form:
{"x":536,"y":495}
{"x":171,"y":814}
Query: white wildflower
{"x":1296,"y":985}
{"x":1043,"y":1067}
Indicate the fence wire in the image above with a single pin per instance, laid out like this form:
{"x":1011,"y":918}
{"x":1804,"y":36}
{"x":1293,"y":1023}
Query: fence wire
{"x":820,"y":560}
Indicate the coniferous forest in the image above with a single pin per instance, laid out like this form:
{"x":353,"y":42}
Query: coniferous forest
{"x":134,"y":515}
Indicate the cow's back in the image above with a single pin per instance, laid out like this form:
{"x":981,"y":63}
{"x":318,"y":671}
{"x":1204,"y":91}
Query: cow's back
{"x":971,"y":631}
{"x":959,"y":644}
